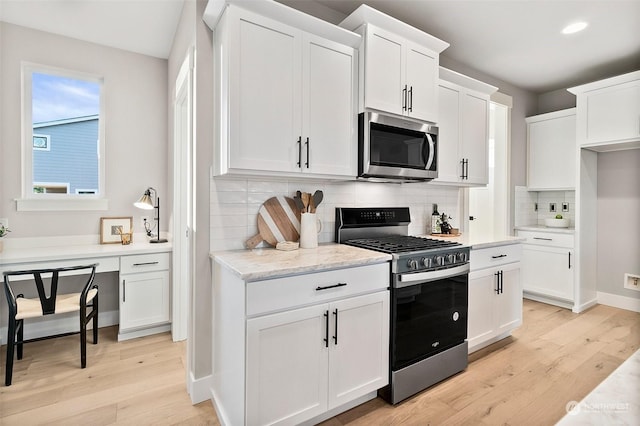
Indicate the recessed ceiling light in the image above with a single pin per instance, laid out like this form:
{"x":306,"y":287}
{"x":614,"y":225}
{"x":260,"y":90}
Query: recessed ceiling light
{"x":574,"y":28}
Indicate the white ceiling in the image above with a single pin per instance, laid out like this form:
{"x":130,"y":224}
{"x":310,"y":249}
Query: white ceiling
{"x":141,"y":26}
{"x":517,"y":41}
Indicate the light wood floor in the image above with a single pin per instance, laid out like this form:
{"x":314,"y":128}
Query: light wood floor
{"x":555,"y":357}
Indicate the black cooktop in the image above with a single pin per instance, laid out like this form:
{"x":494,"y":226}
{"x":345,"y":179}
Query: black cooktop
{"x":400,"y":244}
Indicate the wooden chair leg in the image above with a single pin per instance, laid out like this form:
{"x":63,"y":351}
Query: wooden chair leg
{"x":95,"y":319}
{"x":11,"y":339}
{"x":20,"y":327}
{"x":83,"y":337}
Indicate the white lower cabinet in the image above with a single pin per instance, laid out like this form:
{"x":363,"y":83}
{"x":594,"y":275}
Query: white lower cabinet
{"x":495,"y":295}
{"x":144,"y":295}
{"x":304,"y":362}
{"x":301,"y":347}
{"x":547,"y":267}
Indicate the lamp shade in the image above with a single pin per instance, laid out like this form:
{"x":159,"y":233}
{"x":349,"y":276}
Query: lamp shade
{"x":145,"y":202}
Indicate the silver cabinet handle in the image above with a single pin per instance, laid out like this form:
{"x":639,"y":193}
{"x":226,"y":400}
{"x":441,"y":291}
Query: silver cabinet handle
{"x":543,"y":239}
{"x":146,"y":263}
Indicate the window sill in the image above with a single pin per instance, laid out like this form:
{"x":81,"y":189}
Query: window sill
{"x":69,"y":204}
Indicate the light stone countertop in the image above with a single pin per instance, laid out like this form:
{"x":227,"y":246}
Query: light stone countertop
{"x":542,"y":228}
{"x":263,"y":263}
{"x":613,"y":402}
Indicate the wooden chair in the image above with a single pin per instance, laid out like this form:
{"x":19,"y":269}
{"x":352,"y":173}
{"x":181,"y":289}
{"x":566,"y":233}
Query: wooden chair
{"x":48,"y":302}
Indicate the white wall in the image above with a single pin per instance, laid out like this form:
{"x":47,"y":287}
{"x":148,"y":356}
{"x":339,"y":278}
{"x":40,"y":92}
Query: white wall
{"x":618,"y":220}
{"x":135,"y":94}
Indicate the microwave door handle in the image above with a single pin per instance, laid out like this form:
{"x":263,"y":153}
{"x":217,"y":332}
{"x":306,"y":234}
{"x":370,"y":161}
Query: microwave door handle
{"x":431,"y":151}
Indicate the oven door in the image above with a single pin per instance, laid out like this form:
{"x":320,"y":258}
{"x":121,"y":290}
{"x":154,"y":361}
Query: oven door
{"x":427,"y":317}
{"x":397,"y":148}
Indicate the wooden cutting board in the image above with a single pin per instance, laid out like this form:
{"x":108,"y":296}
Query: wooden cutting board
{"x":278,"y":221}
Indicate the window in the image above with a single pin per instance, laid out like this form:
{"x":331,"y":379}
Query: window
{"x":41,"y":142}
{"x":63,"y":147}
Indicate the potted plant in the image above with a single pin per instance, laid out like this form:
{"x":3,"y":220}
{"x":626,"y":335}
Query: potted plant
{"x":3,"y":231}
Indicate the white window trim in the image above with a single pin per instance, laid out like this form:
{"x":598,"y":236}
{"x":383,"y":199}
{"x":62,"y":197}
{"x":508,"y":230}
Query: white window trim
{"x":57,"y":202}
{"x":47,"y":137}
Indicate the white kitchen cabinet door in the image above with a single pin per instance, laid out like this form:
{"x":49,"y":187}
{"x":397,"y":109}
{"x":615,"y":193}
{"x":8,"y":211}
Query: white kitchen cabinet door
{"x":359,"y":348}
{"x":287,"y":366}
{"x":475,"y":137}
{"x":384,"y":76}
{"x":144,"y":299}
{"x":449,"y":168}
{"x":548,"y":271}
{"x":481,"y":319}
{"x":329,"y":108}
{"x":552,"y":151}
{"x":264,"y":94}
{"x":421,"y":74}
{"x":509,"y":300}
{"x":612,"y":113}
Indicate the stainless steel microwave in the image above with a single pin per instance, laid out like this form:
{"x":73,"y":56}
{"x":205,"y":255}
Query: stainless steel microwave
{"x":396,"y":148}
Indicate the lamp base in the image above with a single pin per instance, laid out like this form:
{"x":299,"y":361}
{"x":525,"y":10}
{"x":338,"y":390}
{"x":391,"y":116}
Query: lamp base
{"x":159,"y":240}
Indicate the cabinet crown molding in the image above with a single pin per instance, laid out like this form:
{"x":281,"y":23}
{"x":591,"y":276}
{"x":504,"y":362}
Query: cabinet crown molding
{"x":284,"y":14}
{"x":368,"y":15}
{"x":467,"y":82}
{"x":624,"y":78}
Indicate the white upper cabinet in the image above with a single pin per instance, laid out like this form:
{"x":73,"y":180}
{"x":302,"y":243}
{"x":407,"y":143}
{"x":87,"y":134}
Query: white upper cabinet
{"x":463,"y":129}
{"x":399,"y":70}
{"x":552,"y":154}
{"x":399,"y":75}
{"x":608,"y":113}
{"x":285,"y":98}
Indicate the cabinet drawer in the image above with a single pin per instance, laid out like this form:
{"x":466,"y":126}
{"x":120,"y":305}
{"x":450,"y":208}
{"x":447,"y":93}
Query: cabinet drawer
{"x":290,"y":292}
{"x":549,"y":239}
{"x":144,"y":263}
{"x":494,"y":256}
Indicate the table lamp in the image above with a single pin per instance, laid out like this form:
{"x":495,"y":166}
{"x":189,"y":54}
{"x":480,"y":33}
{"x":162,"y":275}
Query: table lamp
{"x":146,"y":203}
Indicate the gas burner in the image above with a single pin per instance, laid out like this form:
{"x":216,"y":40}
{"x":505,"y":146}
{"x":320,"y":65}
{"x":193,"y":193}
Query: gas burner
{"x":400,"y":244}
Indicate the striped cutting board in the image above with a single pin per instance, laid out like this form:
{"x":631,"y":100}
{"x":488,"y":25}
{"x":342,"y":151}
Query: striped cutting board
{"x":278,"y":221}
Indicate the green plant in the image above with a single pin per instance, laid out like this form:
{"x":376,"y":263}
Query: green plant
{"x":4,"y":231}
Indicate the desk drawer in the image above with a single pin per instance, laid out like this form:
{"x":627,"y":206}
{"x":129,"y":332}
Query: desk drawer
{"x":144,"y":263}
{"x":308,"y":289}
{"x":494,"y":256}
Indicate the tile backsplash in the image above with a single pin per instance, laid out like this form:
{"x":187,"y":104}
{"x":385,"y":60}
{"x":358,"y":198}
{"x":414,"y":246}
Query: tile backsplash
{"x":525,"y":202}
{"x":235,"y":203}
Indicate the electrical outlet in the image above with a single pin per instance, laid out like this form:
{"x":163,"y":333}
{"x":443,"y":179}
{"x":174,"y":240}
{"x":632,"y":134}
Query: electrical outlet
{"x":535,"y":207}
{"x":4,"y":222}
{"x":552,"y":207}
{"x":565,"y":207}
{"x":632,"y":282}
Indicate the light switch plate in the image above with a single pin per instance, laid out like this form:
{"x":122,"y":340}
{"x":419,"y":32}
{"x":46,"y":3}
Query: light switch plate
{"x":565,"y":207}
{"x":552,"y":207}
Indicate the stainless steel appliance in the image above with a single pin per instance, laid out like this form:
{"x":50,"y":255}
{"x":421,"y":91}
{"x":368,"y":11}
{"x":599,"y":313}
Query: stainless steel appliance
{"x":429,"y":296}
{"x":396,"y":148}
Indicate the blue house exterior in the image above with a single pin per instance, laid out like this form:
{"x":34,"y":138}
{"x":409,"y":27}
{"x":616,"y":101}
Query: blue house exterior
{"x":65,"y":156}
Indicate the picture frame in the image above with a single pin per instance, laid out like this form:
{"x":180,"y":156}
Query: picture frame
{"x":111,"y":229}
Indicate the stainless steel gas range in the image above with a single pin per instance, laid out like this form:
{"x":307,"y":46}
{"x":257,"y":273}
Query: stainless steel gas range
{"x":429,"y":295}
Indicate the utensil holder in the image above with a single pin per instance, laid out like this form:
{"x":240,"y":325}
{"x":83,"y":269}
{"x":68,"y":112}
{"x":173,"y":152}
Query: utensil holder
{"x":310,"y":227}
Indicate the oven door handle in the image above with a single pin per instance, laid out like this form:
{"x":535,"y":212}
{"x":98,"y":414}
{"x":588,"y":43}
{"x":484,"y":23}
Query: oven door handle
{"x":406,"y":280}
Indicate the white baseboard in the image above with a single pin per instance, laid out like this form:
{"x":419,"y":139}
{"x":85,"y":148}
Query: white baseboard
{"x":622,"y":302}
{"x":199,"y":389}
{"x":42,"y":327}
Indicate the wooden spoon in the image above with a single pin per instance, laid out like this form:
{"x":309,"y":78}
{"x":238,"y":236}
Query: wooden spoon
{"x":306,"y":199}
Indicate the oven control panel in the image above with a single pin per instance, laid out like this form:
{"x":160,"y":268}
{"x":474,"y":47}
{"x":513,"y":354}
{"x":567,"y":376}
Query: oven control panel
{"x":432,"y":261}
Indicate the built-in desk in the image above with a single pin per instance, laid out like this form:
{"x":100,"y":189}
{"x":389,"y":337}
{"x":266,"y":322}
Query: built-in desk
{"x":143,"y":280}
